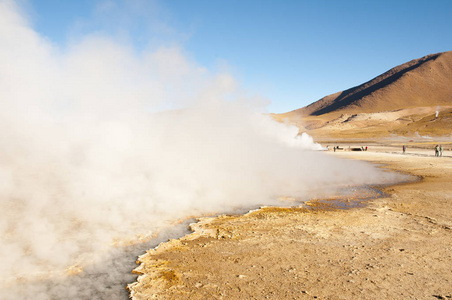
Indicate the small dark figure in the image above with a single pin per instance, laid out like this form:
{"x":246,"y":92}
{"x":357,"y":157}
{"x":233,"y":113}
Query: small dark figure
{"x":404,"y":149}
{"x":366,"y":148}
{"x":436,"y":150}
{"x":334,"y":148}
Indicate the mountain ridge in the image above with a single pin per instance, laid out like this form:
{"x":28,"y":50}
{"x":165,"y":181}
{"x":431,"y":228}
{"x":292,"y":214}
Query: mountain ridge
{"x":415,"y":89}
{"x":355,"y":95}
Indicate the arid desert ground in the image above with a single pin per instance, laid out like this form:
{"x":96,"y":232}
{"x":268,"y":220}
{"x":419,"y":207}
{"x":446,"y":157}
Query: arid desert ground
{"x":395,"y":247}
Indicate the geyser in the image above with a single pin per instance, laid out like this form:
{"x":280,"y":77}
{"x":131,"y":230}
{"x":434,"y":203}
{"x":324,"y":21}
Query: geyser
{"x":89,"y":160}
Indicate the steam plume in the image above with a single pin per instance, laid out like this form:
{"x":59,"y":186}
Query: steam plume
{"x":89,"y":157}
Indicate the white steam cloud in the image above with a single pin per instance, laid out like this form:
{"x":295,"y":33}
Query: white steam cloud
{"x":89,"y":157}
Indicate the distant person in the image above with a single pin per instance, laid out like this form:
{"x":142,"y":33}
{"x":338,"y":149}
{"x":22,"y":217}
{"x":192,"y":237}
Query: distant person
{"x":366,"y":148}
{"x":404,"y":149}
{"x":334,"y":148}
{"x":436,"y":150}
{"x":440,"y":150}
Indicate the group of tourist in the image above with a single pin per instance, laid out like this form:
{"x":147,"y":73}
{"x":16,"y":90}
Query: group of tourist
{"x":349,"y":148}
{"x":438,"y":150}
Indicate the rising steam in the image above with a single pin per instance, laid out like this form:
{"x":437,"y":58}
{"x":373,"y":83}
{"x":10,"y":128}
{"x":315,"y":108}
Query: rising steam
{"x":101,"y":143}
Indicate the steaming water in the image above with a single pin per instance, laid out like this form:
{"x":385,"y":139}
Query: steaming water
{"x":89,"y":157}
{"x":108,"y":277}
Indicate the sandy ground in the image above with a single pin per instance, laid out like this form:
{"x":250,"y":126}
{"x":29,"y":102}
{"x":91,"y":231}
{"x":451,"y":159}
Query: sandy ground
{"x":396,"y":247}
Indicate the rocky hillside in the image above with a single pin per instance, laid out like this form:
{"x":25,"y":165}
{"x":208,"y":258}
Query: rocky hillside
{"x":413,"y":98}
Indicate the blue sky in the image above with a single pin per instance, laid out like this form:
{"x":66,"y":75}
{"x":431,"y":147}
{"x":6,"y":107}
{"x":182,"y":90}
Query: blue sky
{"x":291,"y":52}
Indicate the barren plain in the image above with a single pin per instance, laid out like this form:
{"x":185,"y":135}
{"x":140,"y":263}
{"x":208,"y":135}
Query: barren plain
{"x":395,"y":247}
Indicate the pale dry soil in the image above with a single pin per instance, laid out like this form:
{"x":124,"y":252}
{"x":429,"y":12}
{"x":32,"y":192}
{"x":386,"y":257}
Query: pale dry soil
{"x":397,"y":247}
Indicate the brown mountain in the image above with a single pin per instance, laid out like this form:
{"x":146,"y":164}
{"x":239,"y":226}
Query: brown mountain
{"x":396,"y":102}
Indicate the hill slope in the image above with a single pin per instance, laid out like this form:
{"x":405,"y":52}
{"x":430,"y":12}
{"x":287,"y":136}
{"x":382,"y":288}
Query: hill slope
{"x":409,"y":93}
